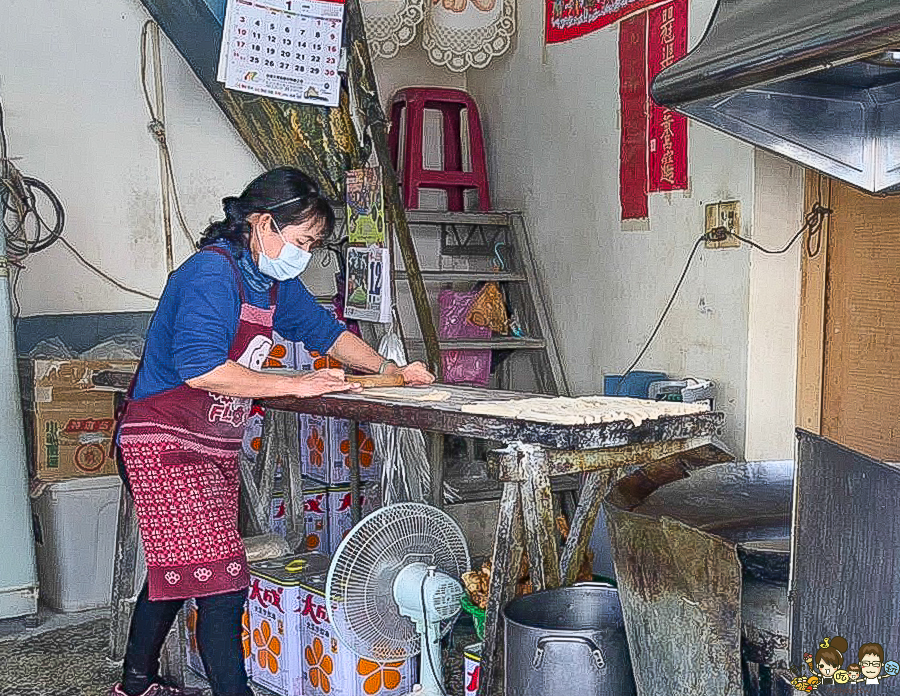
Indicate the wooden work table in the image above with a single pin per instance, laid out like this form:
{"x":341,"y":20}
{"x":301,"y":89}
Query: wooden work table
{"x":535,"y":450}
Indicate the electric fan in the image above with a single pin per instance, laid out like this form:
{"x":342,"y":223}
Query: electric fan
{"x":393,"y":590}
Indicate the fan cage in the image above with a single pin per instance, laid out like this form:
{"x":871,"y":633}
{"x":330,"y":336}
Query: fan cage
{"x":359,"y":588}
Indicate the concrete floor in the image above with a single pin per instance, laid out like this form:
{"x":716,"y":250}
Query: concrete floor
{"x":64,"y":654}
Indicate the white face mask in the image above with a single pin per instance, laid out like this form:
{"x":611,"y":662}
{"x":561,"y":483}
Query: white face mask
{"x":290,"y":262}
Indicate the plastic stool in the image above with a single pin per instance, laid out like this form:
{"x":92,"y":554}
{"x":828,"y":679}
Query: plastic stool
{"x":452,"y":178}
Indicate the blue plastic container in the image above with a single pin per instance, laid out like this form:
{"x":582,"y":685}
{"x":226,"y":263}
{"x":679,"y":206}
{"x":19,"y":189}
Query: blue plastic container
{"x":637,"y":383}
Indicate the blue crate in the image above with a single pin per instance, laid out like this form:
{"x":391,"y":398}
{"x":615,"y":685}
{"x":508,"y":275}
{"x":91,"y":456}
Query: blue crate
{"x":637,"y":383}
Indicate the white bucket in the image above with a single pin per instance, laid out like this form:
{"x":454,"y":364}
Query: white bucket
{"x":75,"y":540}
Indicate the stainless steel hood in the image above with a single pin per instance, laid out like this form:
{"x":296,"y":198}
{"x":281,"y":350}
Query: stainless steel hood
{"x":814,"y":80}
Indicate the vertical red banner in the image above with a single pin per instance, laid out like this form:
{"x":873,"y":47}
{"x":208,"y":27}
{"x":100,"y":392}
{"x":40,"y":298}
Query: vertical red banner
{"x":634,"y":100}
{"x":667,"y":137}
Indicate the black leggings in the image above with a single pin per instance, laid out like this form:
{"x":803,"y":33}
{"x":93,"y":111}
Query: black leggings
{"x":218,"y":638}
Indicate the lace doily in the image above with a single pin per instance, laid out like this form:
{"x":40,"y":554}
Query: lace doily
{"x":391,"y":24}
{"x":464,"y":34}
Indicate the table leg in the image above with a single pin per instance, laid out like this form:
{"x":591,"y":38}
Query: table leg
{"x":125,"y":564}
{"x":355,"y":502}
{"x":509,"y":546}
{"x":540,"y":521}
{"x":293,"y":489}
{"x":436,"y":455}
{"x":595,"y":487}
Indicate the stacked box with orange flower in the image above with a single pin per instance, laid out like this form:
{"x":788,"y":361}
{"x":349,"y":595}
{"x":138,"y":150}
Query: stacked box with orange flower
{"x":325,"y":450}
{"x":315,"y":518}
{"x":275,"y":620}
{"x":282,"y":354}
{"x":369,"y":462}
{"x":471,"y":668}
{"x":340,"y":520}
{"x":192,"y":649}
{"x":330,"y":668}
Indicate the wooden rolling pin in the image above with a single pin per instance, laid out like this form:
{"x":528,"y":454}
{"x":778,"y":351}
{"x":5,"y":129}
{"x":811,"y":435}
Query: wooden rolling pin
{"x":368,"y":381}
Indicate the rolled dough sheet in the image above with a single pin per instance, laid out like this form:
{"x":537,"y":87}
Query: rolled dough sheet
{"x":584,"y":410}
{"x":409,"y":393}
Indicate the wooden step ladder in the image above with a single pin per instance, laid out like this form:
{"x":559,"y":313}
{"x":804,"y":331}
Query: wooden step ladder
{"x":467,"y":249}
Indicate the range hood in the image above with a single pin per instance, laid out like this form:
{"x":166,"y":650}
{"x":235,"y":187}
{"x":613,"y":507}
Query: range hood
{"x":817,"y":81}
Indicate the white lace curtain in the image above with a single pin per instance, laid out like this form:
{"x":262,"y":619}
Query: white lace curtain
{"x":459,"y":34}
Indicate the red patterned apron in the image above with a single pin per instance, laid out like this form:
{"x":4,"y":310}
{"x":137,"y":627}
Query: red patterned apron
{"x":180,"y":448}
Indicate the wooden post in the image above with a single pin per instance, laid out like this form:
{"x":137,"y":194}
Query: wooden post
{"x":595,"y":486}
{"x":362,"y":79}
{"x":124,"y":567}
{"x":540,"y":522}
{"x":355,"y":502}
{"x":509,"y":545}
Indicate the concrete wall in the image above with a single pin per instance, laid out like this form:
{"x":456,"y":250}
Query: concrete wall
{"x":75,"y":114}
{"x":774,"y":311}
{"x":69,"y":83}
{"x":551,"y":120}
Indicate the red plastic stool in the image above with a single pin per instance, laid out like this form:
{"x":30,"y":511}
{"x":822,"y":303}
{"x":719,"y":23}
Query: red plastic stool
{"x":452,"y":178}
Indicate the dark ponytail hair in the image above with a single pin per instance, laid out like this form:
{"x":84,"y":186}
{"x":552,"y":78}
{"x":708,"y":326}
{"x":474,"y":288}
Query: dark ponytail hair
{"x":289,"y":195}
{"x":834,"y":654}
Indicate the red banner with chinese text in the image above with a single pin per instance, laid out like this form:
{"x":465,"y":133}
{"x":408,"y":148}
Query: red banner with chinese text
{"x":667,"y":136}
{"x":568,"y":19}
{"x":634,"y":100}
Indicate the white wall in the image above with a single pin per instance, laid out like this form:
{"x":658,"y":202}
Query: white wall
{"x":551,"y":119}
{"x":774,"y":311}
{"x":76,"y":117}
{"x":70,"y":85}
{"x":75,"y":114}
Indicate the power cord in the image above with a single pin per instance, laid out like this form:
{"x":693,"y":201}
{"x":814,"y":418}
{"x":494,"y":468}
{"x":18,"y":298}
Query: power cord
{"x":812,"y":223}
{"x":662,"y":316}
{"x":23,"y":203}
{"x":157,"y":129}
{"x":427,"y":642}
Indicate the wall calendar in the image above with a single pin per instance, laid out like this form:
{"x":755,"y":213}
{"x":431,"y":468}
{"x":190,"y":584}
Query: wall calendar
{"x":288,"y":49}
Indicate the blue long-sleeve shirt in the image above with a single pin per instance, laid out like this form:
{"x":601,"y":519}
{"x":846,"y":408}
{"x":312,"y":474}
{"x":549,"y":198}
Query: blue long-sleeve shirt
{"x":197,"y":318}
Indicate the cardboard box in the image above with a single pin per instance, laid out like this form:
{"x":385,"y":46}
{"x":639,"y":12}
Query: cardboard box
{"x":339,"y":510}
{"x":311,"y":360}
{"x":69,"y":423}
{"x":277,"y":522}
{"x":275,"y":620}
{"x":330,"y":668}
{"x":252,"y":440}
{"x":471,"y":668}
{"x":191,"y":647}
{"x":282,"y":353}
{"x":339,"y":449}
{"x":315,"y":448}
{"x":315,"y":517}
{"x":325,"y":450}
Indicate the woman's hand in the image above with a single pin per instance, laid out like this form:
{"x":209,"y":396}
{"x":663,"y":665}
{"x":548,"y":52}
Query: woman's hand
{"x":416,"y":374}
{"x":320,"y":382}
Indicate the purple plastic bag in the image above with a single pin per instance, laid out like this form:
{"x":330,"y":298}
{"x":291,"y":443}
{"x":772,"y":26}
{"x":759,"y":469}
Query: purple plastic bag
{"x":462,"y":366}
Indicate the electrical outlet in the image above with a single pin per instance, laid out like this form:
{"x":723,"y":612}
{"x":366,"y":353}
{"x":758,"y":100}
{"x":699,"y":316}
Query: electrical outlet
{"x":727,"y":215}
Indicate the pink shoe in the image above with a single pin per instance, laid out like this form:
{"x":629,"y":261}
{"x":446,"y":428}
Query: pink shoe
{"x":159,"y":690}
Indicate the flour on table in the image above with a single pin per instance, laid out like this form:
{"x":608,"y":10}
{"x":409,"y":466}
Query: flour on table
{"x":584,"y":410}
{"x":409,"y":393}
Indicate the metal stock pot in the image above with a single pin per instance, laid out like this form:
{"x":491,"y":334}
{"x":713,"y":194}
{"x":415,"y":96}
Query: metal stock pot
{"x":567,"y":641}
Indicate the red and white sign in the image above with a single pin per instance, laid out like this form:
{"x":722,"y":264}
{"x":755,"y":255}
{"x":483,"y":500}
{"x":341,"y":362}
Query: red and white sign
{"x":654,"y":138}
{"x":568,"y":19}
{"x":667,"y":136}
